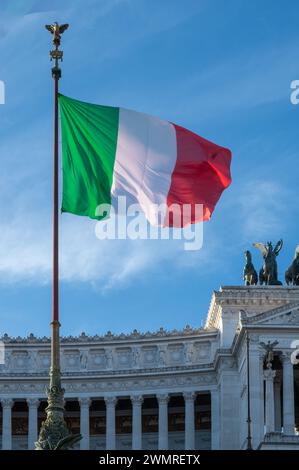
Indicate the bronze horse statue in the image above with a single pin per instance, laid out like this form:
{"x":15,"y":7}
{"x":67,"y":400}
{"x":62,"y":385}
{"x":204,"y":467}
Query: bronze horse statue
{"x":249,"y":273}
{"x":292,"y":273}
{"x":268,"y":273}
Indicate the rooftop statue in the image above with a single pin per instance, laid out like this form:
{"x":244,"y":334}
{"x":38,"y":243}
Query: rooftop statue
{"x":292,"y":273}
{"x":249,"y":273}
{"x":268,"y":273}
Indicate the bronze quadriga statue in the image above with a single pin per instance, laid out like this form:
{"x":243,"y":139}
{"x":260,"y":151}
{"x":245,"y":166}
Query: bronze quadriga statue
{"x":249,"y":273}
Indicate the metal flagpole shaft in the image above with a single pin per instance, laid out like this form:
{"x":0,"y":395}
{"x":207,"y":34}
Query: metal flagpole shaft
{"x":54,"y":433}
{"x":55,"y":346}
{"x":55,"y":201}
{"x":55,"y":359}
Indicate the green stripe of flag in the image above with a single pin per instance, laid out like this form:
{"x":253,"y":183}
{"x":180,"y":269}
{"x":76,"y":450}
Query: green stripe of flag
{"x":89,"y":138}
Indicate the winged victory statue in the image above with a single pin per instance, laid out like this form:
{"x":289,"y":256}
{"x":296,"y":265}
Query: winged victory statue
{"x":268,"y":272}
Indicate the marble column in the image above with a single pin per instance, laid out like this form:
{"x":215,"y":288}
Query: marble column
{"x":7,"y":404}
{"x":269,"y":375}
{"x":288,"y":395}
{"x":189,"y":420}
{"x":110,"y":422}
{"x":277,"y":406}
{"x":256,"y":359}
{"x":137,"y":422}
{"x":215,"y":419}
{"x":84,"y":422}
{"x":163,"y":421}
{"x":33,"y":404}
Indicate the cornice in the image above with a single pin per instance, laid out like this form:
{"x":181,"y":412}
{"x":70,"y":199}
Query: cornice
{"x":96,"y":386}
{"x":273,"y":313}
{"x":251,"y":296}
{"x":109,"y":337}
{"x":111,"y":373}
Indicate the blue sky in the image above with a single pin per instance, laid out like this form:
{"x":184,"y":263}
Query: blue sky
{"x":222,"y":69}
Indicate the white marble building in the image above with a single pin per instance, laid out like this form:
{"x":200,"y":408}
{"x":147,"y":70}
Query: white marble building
{"x":170,"y":389}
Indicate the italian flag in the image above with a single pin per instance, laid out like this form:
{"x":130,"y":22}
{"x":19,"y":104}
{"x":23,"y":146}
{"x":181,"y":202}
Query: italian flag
{"x":109,"y":152}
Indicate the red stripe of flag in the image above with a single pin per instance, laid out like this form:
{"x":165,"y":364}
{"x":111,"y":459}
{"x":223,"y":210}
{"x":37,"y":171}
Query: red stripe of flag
{"x":200,"y":175}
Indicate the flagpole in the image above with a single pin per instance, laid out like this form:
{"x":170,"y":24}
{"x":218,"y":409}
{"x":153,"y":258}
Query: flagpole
{"x":54,"y":433}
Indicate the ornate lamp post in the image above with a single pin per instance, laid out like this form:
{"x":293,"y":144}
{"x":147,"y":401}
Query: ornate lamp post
{"x":54,"y":433}
{"x":249,"y":439}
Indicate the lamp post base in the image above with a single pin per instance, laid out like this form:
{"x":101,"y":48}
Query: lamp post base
{"x":54,"y":434}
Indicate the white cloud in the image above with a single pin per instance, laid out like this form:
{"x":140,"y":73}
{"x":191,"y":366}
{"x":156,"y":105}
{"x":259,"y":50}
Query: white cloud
{"x":26,"y":253}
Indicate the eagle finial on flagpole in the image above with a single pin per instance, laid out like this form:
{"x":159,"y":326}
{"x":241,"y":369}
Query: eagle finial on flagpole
{"x":56,"y":30}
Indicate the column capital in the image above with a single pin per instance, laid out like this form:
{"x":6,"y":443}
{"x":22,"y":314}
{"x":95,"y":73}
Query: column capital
{"x":162,"y":397}
{"x":84,"y":401}
{"x":7,"y":402}
{"x":136,"y":399}
{"x":110,"y":401}
{"x":189,"y":396}
{"x":269,"y":374}
{"x":286,"y":356}
{"x":33,"y":402}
